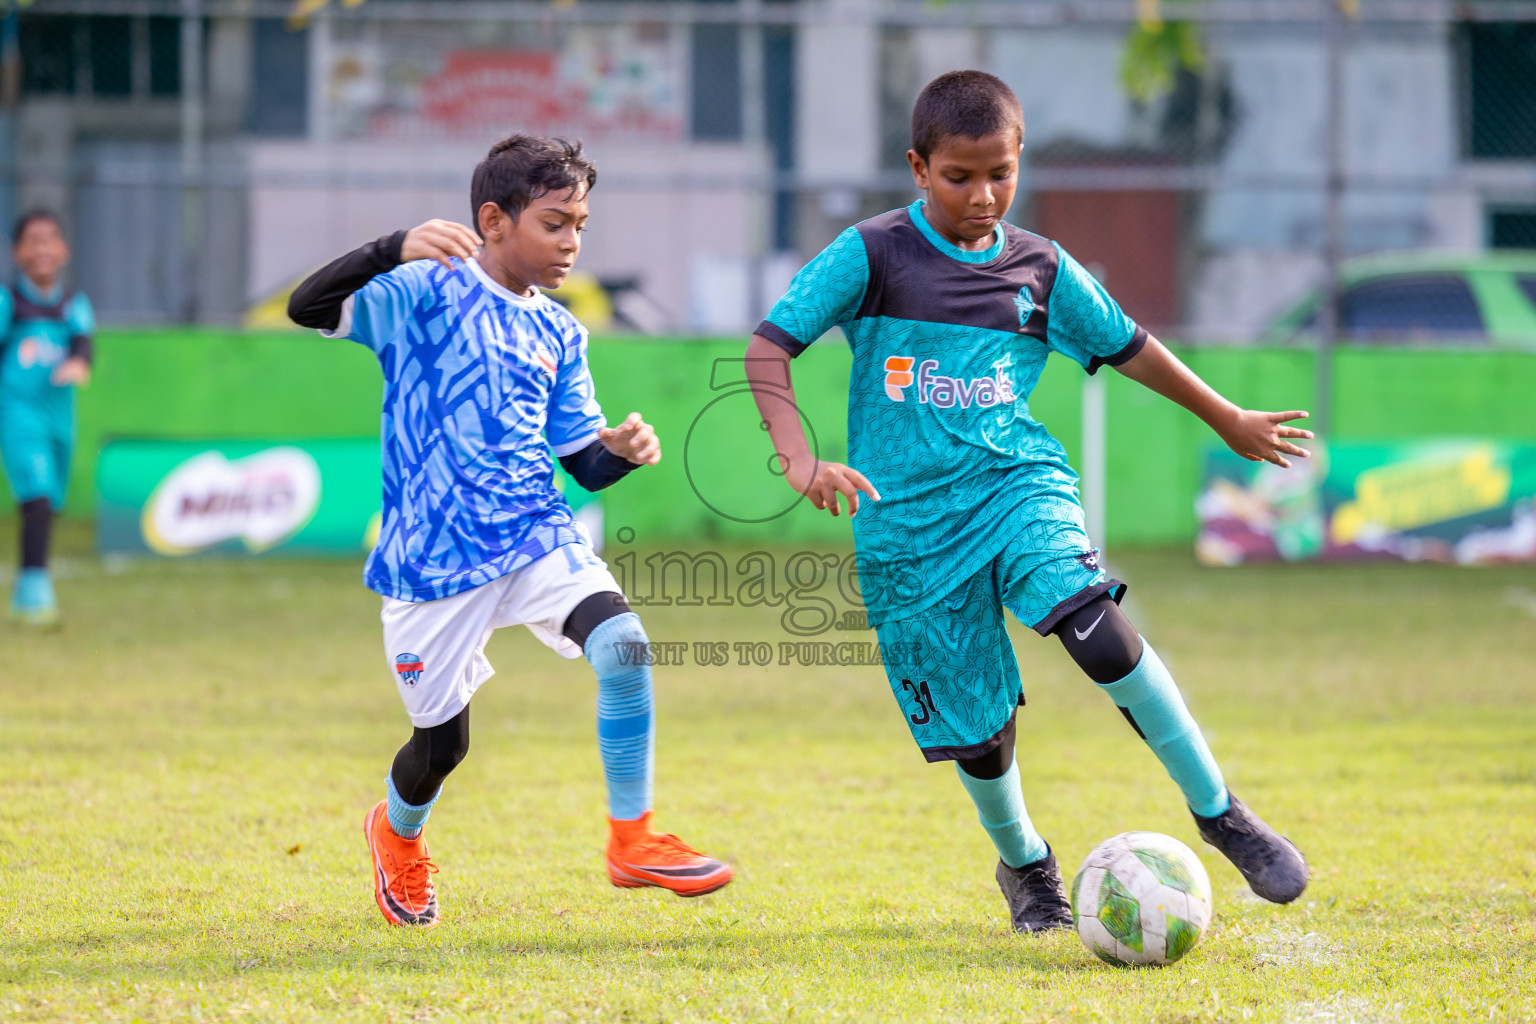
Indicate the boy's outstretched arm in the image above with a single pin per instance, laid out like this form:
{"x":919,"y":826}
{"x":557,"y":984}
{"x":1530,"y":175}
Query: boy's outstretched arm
{"x":767,"y":367}
{"x":318,"y":300}
{"x":1256,"y":436}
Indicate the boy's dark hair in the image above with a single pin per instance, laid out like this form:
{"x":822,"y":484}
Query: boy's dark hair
{"x":969,"y":103}
{"x":31,"y":217}
{"x":522,"y":168}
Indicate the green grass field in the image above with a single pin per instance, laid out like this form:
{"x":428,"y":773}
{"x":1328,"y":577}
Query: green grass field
{"x":186,"y":768}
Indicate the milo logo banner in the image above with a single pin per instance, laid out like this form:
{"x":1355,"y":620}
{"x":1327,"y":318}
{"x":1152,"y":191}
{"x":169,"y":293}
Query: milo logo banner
{"x":179,"y":498}
{"x":1462,"y":502}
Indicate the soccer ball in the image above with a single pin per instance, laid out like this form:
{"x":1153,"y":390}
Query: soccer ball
{"x":1141,"y":898}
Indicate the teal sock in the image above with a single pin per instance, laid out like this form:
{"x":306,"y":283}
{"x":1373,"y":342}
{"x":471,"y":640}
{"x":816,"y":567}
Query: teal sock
{"x":407,"y":820}
{"x":1152,"y":698}
{"x":1000,"y":806}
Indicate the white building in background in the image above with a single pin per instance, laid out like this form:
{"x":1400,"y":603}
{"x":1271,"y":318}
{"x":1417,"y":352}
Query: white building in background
{"x":1250,"y":224}
{"x":730,"y":153}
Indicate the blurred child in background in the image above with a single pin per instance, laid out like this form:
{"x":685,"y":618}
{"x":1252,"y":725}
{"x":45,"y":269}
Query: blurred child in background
{"x":46,"y":330}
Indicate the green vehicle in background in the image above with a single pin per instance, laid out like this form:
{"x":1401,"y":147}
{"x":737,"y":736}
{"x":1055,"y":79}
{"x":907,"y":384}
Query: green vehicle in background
{"x":1484,"y":300}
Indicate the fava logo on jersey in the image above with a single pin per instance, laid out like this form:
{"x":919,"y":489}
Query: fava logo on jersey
{"x":409,"y":668}
{"x":944,"y":392}
{"x":36,"y":350}
{"x":898,"y":377}
{"x":262,"y":499}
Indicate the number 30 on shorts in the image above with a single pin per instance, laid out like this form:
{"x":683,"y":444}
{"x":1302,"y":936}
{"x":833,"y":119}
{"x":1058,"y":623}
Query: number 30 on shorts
{"x":926,"y":711}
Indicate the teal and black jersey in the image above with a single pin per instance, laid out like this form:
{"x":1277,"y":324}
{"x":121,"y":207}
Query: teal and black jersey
{"x":947,"y":346}
{"x":39,"y":331}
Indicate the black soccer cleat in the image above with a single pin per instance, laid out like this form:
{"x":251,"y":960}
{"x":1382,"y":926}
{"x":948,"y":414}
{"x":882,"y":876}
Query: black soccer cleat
{"x":1274,"y":868}
{"x":1037,"y":899}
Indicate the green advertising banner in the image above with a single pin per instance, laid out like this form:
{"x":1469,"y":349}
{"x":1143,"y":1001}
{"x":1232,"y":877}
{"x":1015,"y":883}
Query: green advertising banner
{"x":178,"y":498}
{"x":1457,"y":501}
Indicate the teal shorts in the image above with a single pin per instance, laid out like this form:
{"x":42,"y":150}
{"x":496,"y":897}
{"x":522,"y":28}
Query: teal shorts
{"x":951,"y":666}
{"x":36,"y":461}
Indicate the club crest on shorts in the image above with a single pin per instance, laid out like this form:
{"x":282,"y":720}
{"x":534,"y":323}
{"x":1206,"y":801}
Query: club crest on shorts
{"x":408,"y":667}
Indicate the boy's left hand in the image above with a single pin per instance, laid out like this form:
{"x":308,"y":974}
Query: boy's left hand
{"x":1260,"y":436}
{"x":73,"y":370}
{"x":634,"y":439}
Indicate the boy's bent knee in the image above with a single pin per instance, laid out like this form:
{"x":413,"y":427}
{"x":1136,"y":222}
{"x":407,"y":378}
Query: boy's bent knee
{"x":592,"y":612}
{"x":1101,"y":640}
{"x":994,"y":764}
{"x":618,"y":643}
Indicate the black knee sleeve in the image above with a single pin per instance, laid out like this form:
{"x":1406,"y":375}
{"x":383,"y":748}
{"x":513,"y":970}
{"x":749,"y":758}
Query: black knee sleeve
{"x":1101,"y":640}
{"x":593,"y":611}
{"x":36,"y":527}
{"x":994,"y":763}
{"x":428,"y":757}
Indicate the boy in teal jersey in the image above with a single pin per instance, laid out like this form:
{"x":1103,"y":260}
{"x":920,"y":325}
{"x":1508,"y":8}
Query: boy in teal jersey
{"x":47,"y":352}
{"x":951,"y":314}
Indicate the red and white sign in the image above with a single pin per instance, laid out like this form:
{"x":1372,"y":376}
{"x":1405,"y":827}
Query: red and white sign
{"x":587,"y":92}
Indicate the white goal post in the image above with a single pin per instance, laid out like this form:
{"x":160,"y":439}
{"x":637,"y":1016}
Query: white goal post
{"x":1094,"y":470}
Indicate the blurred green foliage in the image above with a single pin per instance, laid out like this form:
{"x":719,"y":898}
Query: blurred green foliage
{"x":1155,"y":51}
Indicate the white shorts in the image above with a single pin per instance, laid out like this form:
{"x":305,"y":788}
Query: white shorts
{"x":436,"y":649}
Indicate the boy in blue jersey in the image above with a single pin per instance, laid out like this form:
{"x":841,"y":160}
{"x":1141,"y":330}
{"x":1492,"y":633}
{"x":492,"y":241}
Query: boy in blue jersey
{"x":46,"y":330}
{"x":951,"y":313}
{"x":485,"y":378}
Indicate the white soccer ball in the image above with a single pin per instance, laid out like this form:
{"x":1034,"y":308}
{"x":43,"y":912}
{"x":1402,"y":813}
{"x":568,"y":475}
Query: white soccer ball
{"x":1141,"y":898}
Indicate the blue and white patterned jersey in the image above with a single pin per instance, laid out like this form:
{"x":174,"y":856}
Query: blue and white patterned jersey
{"x":481,"y":387}
{"x":947,"y":346}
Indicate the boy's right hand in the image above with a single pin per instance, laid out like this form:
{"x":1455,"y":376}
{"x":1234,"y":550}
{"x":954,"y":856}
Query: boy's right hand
{"x":827,"y":481}
{"x":73,"y":370}
{"x":441,"y":240}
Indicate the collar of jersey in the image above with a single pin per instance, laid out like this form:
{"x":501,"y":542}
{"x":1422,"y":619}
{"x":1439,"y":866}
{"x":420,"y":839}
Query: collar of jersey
{"x":502,"y":291}
{"x":987,"y":255}
{"x":36,"y":294}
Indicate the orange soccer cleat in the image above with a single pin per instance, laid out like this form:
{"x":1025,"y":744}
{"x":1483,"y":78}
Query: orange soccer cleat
{"x":402,"y":872}
{"x":638,"y":857}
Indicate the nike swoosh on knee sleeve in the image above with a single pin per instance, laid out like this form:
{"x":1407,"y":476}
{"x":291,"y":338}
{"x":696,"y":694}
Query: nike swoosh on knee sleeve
{"x":1082,"y":634}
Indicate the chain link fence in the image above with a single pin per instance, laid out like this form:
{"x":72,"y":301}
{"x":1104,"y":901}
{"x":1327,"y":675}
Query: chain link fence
{"x":1215,"y":171}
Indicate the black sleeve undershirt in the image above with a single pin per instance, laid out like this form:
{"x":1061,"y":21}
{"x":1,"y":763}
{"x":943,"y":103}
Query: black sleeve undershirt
{"x":595,"y":467}
{"x":318,"y":300}
{"x":81,"y":347}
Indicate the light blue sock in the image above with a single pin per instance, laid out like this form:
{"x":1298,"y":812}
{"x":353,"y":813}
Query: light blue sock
{"x":407,"y":820}
{"x":626,"y":720}
{"x":34,"y":591}
{"x":1153,"y":700}
{"x":1000,"y":806}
